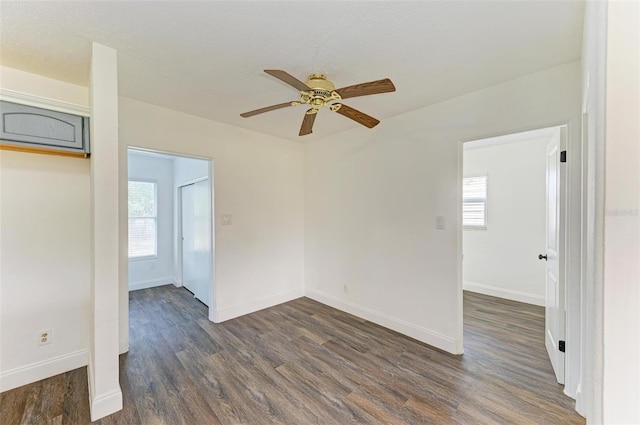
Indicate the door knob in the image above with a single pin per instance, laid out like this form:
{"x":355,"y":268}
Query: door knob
{"x":542,"y":257}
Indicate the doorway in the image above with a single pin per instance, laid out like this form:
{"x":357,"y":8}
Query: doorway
{"x":170,"y":196}
{"x":513,"y":235}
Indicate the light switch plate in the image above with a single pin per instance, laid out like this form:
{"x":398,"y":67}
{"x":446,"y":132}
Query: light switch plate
{"x":440,"y":222}
{"x":226,"y":219}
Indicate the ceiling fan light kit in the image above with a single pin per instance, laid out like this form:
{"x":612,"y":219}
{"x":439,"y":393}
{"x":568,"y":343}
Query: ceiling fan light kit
{"x":319,"y":92}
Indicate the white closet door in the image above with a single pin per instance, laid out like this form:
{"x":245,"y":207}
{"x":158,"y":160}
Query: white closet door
{"x":196,"y":240}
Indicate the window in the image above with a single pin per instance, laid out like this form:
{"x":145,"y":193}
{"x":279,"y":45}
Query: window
{"x":474,"y":202}
{"x":142,"y":219}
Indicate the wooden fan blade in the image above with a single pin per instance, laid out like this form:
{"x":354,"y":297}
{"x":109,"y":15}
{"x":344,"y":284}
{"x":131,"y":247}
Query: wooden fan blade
{"x":364,"y":89}
{"x":307,"y":124}
{"x":287,"y":78}
{"x":357,"y":116}
{"x":266,"y":109}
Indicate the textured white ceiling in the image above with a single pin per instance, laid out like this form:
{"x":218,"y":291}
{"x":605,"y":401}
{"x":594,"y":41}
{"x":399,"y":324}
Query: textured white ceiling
{"x":206,"y":58}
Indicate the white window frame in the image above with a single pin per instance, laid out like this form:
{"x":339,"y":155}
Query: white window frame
{"x":154,"y":217}
{"x":485,"y":200}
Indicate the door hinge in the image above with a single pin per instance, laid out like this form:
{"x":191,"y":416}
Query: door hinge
{"x":561,"y":346}
{"x":563,"y":156}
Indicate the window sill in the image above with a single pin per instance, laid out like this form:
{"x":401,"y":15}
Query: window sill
{"x":146,"y":257}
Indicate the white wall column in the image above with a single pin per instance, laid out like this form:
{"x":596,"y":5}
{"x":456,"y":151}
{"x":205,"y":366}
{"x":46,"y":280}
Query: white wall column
{"x":621,"y":370}
{"x":105,"y":396}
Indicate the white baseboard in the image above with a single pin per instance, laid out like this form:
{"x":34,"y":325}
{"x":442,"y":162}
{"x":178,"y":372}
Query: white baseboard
{"x":580,"y":401}
{"x":412,"y":330}
{"x":123,"y":346}
{"x":37,"y":371}
{"x":508,"y":294}
{"x":104,"y":404}
{"x":227,"y":313}
{"x":144,"y":284}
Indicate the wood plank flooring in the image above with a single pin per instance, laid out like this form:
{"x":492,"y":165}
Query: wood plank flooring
{"x":306,"y":363}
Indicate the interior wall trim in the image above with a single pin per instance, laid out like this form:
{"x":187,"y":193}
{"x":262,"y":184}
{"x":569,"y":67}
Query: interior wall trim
{"x":15,"y":96}
{"x":43,"y":369}
{"x":509,"y":294}
{"x":144,"y":284}
{"x":427,"y":336}
{"x":123,"y":346}
{"x":227,"y":313}
{"x":105,"y":404}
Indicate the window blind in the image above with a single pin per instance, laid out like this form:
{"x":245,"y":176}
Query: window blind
{"x":474,"y":202}
{"x":142,"y":219}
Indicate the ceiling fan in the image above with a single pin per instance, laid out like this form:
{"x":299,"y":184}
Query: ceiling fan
{"x":319,"y":92}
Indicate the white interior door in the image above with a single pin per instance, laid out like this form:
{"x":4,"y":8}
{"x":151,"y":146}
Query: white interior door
{"x":555,"y":294}
{"x":196,"y":240}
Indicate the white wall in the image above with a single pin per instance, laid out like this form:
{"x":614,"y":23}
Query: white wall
{"x":45,"y":263}
{"x":621,"y":378}
{"x":502,"y":260}
{"x":258,"y":179}
{"x":371,"y":198}
{"x":186,"y":170}
{"x":149,"y":272}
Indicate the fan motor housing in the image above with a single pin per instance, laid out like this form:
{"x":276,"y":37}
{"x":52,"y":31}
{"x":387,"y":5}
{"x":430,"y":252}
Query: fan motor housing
{"x":319,"y":82}
{"x":321,"y":92}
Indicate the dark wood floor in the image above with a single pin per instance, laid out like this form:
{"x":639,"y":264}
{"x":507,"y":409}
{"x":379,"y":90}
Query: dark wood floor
{"x":305,"y":363}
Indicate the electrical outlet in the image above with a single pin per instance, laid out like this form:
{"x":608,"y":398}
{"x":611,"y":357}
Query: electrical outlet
{"x":44,"y":337}
{"x":345,"y":288}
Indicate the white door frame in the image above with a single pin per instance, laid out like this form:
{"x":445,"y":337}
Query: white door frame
{"x":178,"y":235}
{"x":574,"y":316}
